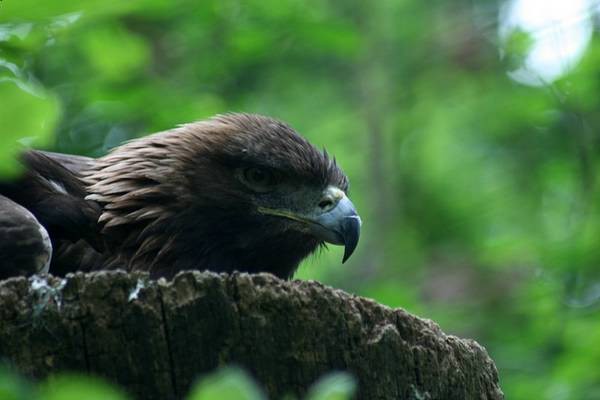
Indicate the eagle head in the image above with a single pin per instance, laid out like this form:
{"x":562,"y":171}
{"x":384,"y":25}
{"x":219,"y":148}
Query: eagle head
{"x":236,"y":192}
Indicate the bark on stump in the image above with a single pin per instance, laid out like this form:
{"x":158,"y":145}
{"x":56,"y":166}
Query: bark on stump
{"x":156,"y":337}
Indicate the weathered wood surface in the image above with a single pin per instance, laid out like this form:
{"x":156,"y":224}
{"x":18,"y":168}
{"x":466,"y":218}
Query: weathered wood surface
{"x":156,"y":337}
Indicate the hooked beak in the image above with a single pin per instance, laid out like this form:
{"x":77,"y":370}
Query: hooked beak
{"x":340,"y":225}
{"x":334,"y":220}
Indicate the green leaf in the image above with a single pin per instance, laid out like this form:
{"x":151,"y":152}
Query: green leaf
{"x":11,"y":10}
{"x":334,"y":386}
{"x":115,"y":53}
{"x":227,"y":383}
{"x":517,"y":46}
{"x":13,"y":387}
{"x":27,"y":113}
{"x":78,"y":387}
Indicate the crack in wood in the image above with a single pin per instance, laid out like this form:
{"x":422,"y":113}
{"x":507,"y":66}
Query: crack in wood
{"x":167,"y":337}
{"x":86,"y":355}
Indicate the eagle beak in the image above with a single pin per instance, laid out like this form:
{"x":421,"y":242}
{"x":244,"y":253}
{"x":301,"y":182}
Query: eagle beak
{"x":336,"y":221}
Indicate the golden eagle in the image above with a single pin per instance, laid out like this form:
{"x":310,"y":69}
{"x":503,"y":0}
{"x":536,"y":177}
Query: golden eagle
{"x":235,"y":192}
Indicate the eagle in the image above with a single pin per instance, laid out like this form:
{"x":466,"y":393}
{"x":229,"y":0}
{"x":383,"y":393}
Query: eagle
{"x":236,"y":192}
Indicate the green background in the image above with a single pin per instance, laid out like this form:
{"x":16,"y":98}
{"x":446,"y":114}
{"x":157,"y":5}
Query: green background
{"x":479,"y":195}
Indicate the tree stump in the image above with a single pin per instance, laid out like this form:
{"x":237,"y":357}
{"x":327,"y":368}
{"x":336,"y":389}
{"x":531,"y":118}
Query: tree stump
{"x":154,"y":338}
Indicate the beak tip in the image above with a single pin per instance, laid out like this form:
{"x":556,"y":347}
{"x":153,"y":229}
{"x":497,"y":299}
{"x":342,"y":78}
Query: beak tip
{"x":351,"y":234}
{"x":347,"y":253}
{"x":346,"y":257}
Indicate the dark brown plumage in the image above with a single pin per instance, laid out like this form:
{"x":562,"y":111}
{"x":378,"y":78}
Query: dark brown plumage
{"x":25,"y":246}
{"x":236,"y":192}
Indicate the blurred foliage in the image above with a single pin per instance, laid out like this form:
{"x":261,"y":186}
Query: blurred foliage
{"x":32,"y":116}
{"x":13,"y":387}
{"x":228,"y":383}
{"x":77,"y":387}
{"x":479,"y":194}
{"x":335,"y":386}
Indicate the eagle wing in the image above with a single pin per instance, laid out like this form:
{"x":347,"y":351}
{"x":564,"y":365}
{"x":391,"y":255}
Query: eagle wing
{"x":73,"y":163}
{"x":25,"y":246}
{"x":52,"y":190}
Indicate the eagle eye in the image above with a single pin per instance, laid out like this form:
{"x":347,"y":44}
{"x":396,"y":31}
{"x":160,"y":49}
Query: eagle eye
{"x":259,"y":179}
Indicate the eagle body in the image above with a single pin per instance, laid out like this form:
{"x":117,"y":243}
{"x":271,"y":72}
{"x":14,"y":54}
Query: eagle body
{"x":235,"y":192}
